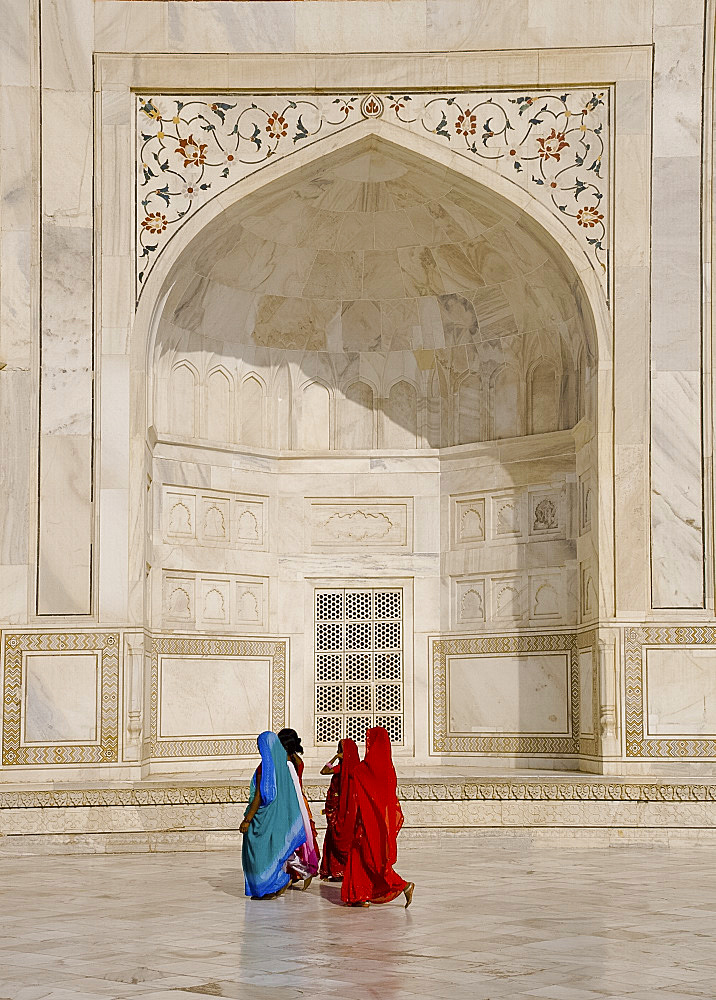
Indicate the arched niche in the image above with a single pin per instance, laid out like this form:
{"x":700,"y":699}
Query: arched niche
{"x":358,"y":288}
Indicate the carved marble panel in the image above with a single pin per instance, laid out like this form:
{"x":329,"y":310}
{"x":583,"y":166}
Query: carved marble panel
{"x":361,"y":523}
{"x":546,"y":513}
{"x":215,"y":601}
{"x":179,"y":515}
{"x":179,"y":599}
{"x":469,"y":520}
{"x":546,"y":596}
{"x":507,"y":517}
{"x":469,"y":603}
{"x":586,"y":498}
{"x":210,"y":518}
{"x":490,"y":600}
{"x":508,"y":598}
{"x":587,"y":593}
{"x":250,"y":521}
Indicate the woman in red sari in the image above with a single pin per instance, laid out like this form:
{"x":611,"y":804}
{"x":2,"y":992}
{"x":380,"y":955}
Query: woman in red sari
{"x":369,"y":876}
{"x":339,"y":811}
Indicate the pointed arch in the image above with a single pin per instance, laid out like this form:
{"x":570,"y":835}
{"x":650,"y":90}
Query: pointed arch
{"x":543,"y":397}
{"x":356,"y":416}
{"x":506,"y":403}
{"x":401,"y":416}
{"x":468,"y":420}
{"x":219,"y":405}
{"x":316,"y":424}
{"x":251,"y":409}
{"x":182,"y":395}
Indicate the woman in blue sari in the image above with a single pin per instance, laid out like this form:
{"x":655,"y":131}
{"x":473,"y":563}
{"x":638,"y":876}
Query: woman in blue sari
{"x":273,"y":825}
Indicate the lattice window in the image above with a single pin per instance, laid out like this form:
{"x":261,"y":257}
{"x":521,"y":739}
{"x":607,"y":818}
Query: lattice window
{"x":359,"y":663}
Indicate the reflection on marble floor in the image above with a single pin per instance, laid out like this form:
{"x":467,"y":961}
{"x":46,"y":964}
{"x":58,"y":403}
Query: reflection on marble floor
{"x":490,"y":921}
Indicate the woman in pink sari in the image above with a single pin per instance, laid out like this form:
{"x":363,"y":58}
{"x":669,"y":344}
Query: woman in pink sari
{"x":304,"y":863}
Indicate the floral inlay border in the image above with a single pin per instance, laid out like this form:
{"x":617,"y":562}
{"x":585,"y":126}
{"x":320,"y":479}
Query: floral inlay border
{"x":275,"y":650}
{"x":106,"y":646}
{"x":443,"y":741}
{"x":554,"y":145}
{"x":519,"y":790}
{"x":638,"y":744}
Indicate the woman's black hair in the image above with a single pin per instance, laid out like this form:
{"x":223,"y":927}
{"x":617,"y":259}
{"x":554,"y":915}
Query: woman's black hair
{"x":290,"y":741}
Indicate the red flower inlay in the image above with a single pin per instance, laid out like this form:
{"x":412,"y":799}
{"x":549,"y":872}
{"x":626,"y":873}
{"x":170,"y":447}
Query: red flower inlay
{"x":277,"y":126}
{"x":154,"y":222}
{"x":550,"y":146}
{"x":589,"y":216}
{"x":466,"y":123}
{"x":193,"y":152}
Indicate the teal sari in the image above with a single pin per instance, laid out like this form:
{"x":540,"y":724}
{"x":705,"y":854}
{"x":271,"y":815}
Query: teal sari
{"x":276,"y":830}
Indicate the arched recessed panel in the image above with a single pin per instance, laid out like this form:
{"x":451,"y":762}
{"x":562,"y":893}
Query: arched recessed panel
{"x":182,"y":401}
{"x":468,"y":416}
{"x":506,"y":403}
{"x":544,"y":398}
{"x":355,"y":425}
{"x":252,"y":412}
{"x":218,"y":406}
{"x":315,"y":418}
{"x":401,"y":412}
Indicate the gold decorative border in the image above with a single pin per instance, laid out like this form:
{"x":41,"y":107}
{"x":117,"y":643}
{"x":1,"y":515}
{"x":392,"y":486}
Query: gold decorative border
{"x":638,"y":744}
{"x":444,"y":742}
{"x":105,"y":751}
{"x":276,"y":650}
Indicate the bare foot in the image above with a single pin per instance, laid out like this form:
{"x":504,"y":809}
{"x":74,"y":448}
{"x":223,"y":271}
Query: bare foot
{"x":363,"y":902}
{"x":408,"y":892}
{"x":307,"y":882}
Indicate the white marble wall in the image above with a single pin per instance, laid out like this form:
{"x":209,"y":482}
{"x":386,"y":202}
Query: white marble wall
{"x":66,"y":290}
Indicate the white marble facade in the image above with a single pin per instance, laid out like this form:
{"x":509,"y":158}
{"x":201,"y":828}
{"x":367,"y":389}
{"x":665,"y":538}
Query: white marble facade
{"x":405,"y":354}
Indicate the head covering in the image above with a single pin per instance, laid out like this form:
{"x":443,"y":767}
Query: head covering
{"x":345,"y":817}
{"x":290,"y":740}
{"x":376,"y":787}
{"x":276,"y":830}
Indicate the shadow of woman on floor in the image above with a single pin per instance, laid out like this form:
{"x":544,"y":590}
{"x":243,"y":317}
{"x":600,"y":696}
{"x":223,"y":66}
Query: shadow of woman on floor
{"x":231,"y":882}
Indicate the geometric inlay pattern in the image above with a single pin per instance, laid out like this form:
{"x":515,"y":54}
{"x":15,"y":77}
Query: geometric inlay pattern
{"x":106,"y":646}
{"x":638,"y":744}
{"x":553,"y":144}
{"x":275,"y":650}
{"x":445,"y":742}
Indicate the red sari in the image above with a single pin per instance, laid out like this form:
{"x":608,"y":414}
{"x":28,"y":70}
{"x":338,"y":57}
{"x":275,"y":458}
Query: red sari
{"x":369,"y":875}
{"x":340,"y":814}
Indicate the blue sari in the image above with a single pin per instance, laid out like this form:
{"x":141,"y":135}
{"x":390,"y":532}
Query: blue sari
{"x":276,"y":830}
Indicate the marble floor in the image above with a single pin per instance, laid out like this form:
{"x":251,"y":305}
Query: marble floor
{"x":490,"y":921}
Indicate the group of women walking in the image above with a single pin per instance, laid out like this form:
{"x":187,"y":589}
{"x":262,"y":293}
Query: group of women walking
{"x":363,"y":818}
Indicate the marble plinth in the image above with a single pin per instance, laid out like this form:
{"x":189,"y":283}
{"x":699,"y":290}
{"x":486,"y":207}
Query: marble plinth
{"x":168,"y":813}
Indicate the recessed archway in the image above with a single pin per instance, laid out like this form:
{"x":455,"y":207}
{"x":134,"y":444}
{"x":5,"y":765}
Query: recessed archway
{"x":376,"y":302}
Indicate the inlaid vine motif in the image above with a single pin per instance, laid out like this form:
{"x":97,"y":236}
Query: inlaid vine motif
{"x":553,"y":144}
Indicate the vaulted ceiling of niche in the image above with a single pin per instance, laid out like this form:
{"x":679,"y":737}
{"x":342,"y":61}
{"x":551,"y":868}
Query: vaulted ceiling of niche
{"x":372,"y":254}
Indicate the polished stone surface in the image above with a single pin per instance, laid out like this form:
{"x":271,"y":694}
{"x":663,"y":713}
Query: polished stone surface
{"x":490,"y":921}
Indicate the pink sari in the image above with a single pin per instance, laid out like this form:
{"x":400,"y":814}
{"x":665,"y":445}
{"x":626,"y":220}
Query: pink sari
{"x":305,"y":862}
